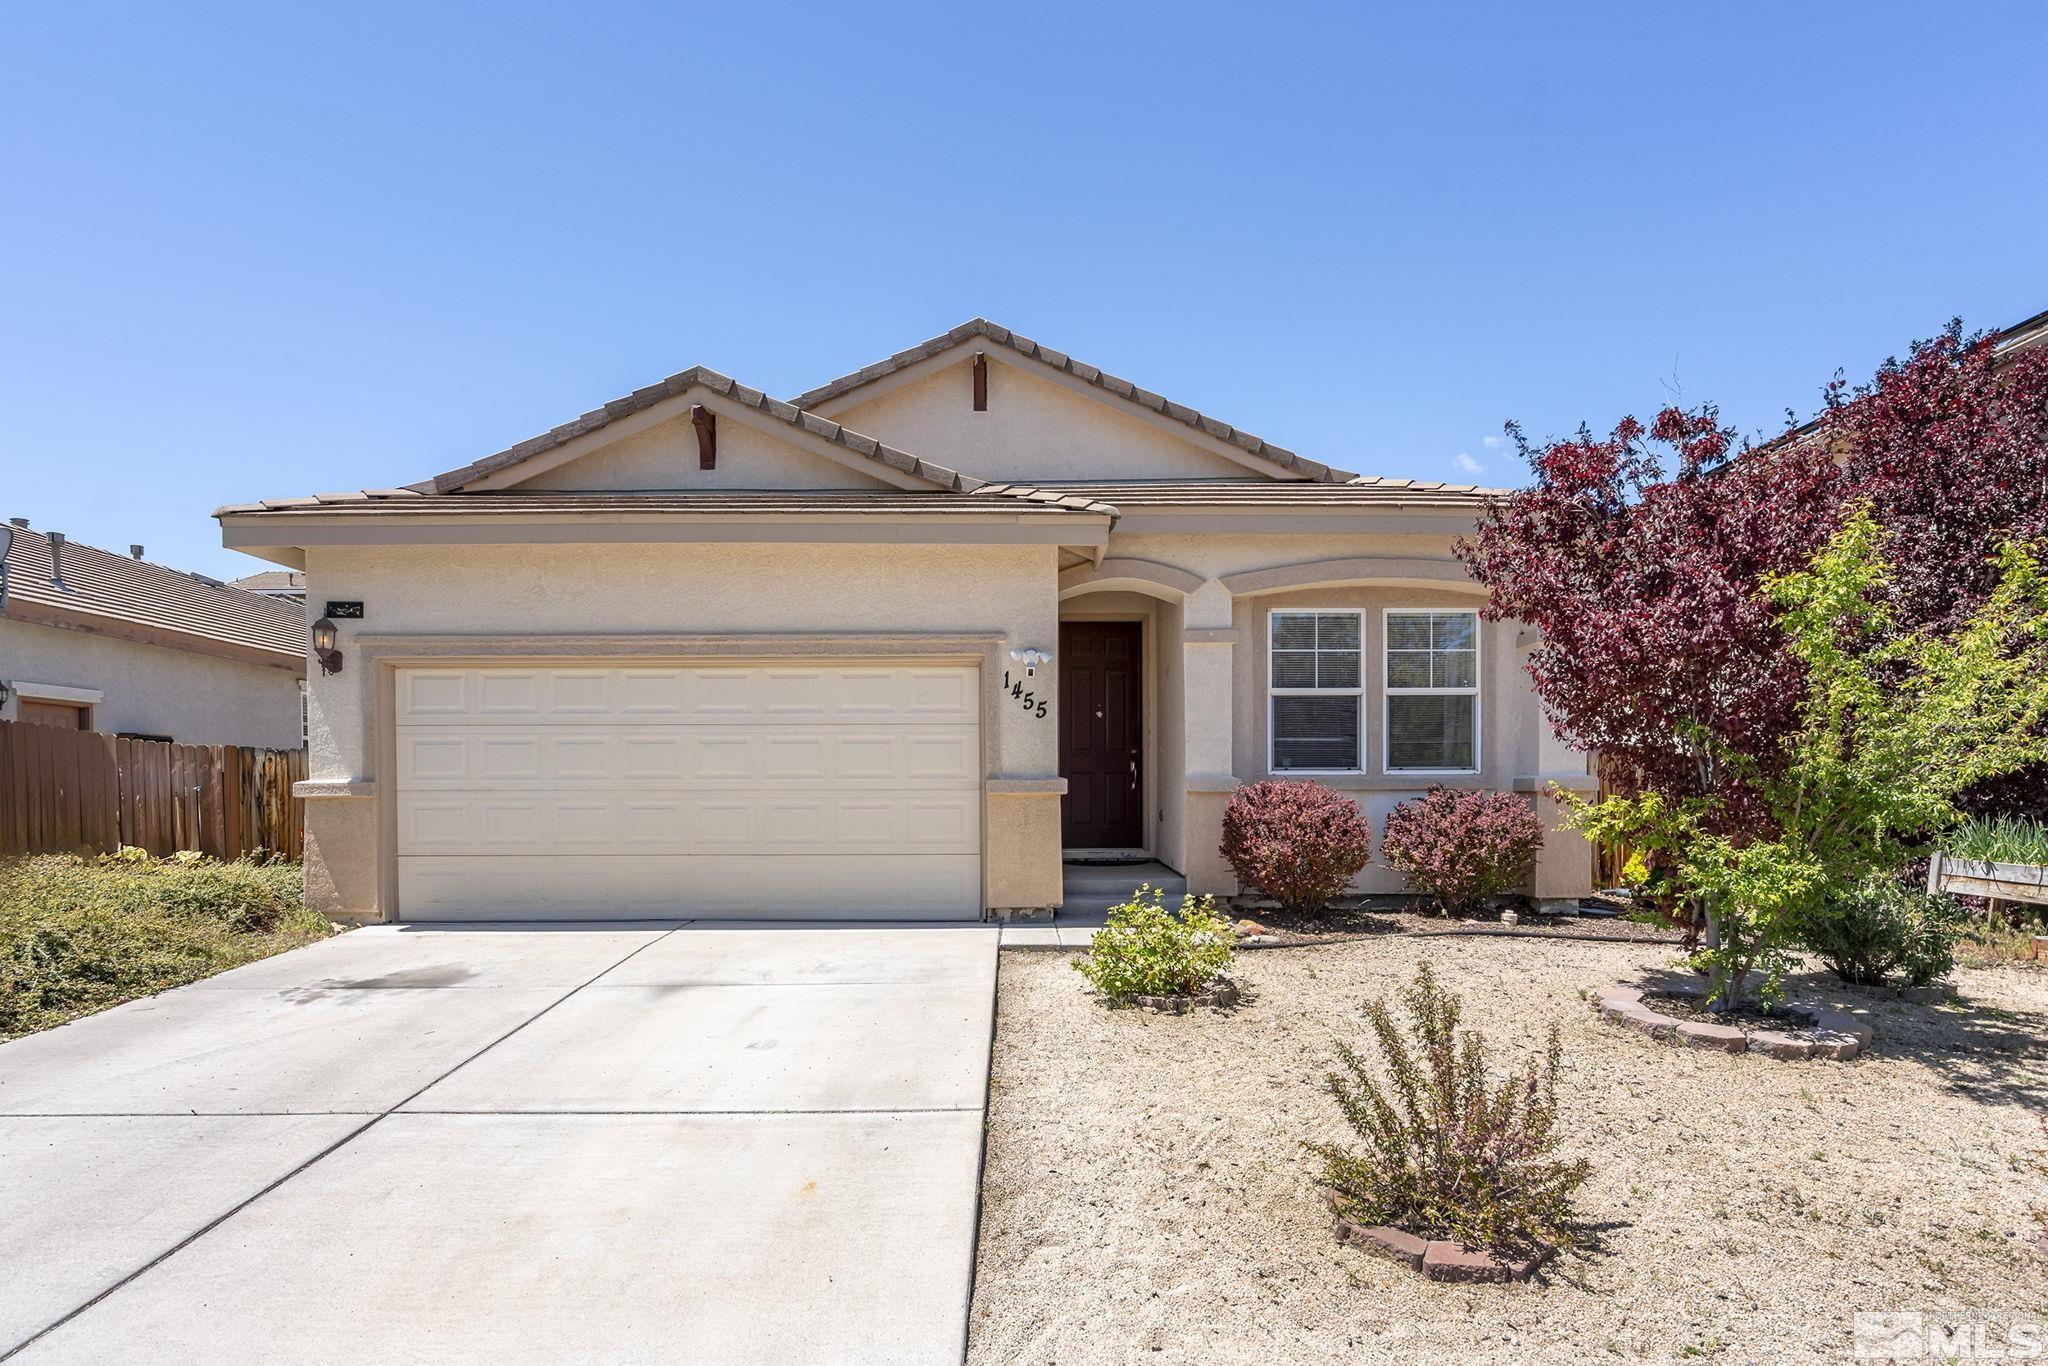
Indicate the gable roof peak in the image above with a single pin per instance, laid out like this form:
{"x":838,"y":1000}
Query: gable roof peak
{"x":700,"y":377}
{"x":1119,"y":388}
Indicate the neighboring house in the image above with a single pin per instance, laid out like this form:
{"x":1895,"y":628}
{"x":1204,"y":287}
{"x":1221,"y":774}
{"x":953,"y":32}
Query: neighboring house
{"x":273,"y":583}
{"x":886,"y":650}
{"x":95,"y":641}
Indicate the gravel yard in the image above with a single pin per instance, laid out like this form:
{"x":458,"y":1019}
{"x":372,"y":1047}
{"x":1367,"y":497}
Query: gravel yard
{"x":1145,"y":1197}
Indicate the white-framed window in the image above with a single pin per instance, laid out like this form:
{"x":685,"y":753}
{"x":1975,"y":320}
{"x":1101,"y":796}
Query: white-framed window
{"x":1431,"y":720}
{"x":1316,"y":692}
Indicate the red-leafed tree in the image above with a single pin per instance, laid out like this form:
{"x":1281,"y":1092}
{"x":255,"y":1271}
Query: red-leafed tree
{"x":1641,"y":557}
{"x":1950,"y":445}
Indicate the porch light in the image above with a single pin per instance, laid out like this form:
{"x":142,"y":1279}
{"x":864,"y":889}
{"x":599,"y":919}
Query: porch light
{"x":1031,"y":659}
{"x":325,"y":638}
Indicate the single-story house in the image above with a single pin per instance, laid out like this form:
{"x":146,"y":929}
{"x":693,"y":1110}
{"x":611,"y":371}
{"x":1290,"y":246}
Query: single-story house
{"x":91,"y":640}
{"x":892,"y":648}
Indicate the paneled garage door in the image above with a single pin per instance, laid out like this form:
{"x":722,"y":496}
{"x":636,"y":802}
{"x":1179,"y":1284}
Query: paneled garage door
{"x":751,"y":791}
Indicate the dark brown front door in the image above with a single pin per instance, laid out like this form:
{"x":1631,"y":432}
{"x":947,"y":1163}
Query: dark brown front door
{"x":1102,"y":730}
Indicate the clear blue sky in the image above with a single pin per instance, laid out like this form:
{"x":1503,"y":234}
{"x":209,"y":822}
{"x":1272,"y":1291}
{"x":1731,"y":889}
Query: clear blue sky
{"x":285,"y":249}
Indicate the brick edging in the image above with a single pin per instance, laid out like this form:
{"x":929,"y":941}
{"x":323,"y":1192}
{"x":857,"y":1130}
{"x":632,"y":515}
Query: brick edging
{"x":1438,"y":1259}
{"x":1842,"y":1035}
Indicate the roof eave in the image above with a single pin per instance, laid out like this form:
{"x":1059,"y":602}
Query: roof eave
{"x":165,"y":637}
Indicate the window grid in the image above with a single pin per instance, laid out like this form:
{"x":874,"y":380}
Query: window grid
{"x":1338,"y":660}
{"x":1451,"y":662}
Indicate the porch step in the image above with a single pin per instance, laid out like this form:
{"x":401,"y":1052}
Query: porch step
{"x":1097,"y":887}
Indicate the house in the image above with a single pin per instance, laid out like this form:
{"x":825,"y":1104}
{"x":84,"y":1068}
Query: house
{"x":273,"y":583}
{"x":91,"y":640}
{"x":888,"y":649}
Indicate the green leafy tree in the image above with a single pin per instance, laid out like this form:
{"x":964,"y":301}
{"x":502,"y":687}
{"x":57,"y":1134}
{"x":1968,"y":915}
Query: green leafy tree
{"x":1893,"y":725}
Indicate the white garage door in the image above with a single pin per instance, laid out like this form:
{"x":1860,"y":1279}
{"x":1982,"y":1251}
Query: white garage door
{"x":749,"y":791}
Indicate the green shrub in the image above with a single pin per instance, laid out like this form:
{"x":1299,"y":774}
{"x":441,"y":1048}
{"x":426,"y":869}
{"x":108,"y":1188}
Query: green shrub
{"x":1448,"y":1153}
{"x":79,"y":935}
{"x":1882,"y":926}
{"x":1147,"y":950}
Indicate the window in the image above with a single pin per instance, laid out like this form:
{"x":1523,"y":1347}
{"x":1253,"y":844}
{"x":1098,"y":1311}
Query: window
{"x":1432,"y":692}
{"x":1317,"y":691}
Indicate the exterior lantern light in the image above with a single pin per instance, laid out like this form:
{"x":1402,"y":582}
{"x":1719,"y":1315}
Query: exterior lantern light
{"x":325,"y":638}
{"x":1031,"y":659}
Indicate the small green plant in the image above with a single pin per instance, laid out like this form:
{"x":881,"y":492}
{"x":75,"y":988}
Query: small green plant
{"x":1883,"y":926}
{"x":2006,"y":839}
{"x":1449,"y":1153}
{"x":1147,"y":950}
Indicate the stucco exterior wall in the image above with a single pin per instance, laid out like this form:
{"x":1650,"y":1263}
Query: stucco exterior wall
{"x":154,"y":690}
{"x":665,"y":457}
{"x":1517,"y":750}
{"x":1034,"y":428}
{"x":767,"y":591}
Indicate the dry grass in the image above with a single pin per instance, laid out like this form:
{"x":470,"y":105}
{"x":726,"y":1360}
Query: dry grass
{"x":1146,"y":1197}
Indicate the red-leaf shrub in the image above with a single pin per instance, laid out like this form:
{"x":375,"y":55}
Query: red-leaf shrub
{"x":1297,"y":842}
{"x":1463,"y":847}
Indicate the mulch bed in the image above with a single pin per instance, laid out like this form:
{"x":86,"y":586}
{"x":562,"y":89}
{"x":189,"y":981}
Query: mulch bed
{"x":1283,"y":929}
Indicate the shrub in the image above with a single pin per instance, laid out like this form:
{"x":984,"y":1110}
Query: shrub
{"x":1297,"y":842}
{"x":79,"y":935}
{"x":1882,"y":926}
{"x":1147,"y":950}
{"x":1450,"y":1154}
{"x":1463,"y":847}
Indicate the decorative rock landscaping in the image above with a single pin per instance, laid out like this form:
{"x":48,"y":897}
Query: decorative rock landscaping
{"x":1808,"y":1031}
{"x":1437,"y":1259}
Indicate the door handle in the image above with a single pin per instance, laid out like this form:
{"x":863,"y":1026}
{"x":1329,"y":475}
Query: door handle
{"x":1134,"y":773}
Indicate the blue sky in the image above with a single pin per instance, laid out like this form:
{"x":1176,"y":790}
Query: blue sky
{"x":272,"y":250}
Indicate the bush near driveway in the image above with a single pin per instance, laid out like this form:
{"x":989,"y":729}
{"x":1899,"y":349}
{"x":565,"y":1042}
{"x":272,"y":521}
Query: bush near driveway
{"x":1463,"y":847}
{"x":1144,"y":949}
{"x":1297,"y":842}
{"x":81,"y":934}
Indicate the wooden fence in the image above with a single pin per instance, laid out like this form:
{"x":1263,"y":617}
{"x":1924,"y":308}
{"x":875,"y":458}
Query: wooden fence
{"x":65,"y":791}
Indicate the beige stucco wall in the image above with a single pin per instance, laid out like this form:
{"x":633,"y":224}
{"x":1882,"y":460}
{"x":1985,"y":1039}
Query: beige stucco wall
{"x":1034,"y":428}
{"x":764,"y":591}
{"x":153,"y":690}
{"x":665,"y":457}
{"x":1517,"y":749}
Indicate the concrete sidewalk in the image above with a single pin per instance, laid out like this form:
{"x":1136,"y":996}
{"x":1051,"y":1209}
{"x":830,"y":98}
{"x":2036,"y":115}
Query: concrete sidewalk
{"x":522,"y":1143}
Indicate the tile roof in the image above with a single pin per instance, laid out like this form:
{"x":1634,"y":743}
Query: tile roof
{"x":1259,"y":493}
{"x":699,"y":377}
{"x":271,"y":581}
{"x":982,"y":501}
{"x":1059,"y":360}
{"x":137,"y":593}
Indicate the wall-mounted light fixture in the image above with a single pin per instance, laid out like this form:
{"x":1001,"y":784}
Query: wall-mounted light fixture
{"x":325,"y":638}
{"x":1031,"y":659}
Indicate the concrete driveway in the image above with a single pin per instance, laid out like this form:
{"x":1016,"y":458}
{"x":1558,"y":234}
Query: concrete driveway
{"x":622,"y":1143}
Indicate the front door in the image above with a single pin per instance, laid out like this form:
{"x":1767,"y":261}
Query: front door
{"x":1102,"y":734}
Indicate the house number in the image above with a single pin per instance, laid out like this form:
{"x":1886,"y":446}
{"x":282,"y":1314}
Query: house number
{"x":1027,"y":700}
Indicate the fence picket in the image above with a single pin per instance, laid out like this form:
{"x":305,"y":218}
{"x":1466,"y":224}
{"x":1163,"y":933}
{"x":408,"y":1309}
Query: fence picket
{"x":67,"y":791}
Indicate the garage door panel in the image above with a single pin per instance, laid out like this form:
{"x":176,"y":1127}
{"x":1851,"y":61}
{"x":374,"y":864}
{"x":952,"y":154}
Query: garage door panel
{"x":699,"y":695}
{"x":778,"y":791}
{"x":829,"y":822}
{"x":477,"y":757}
{"x":662,"y":886}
